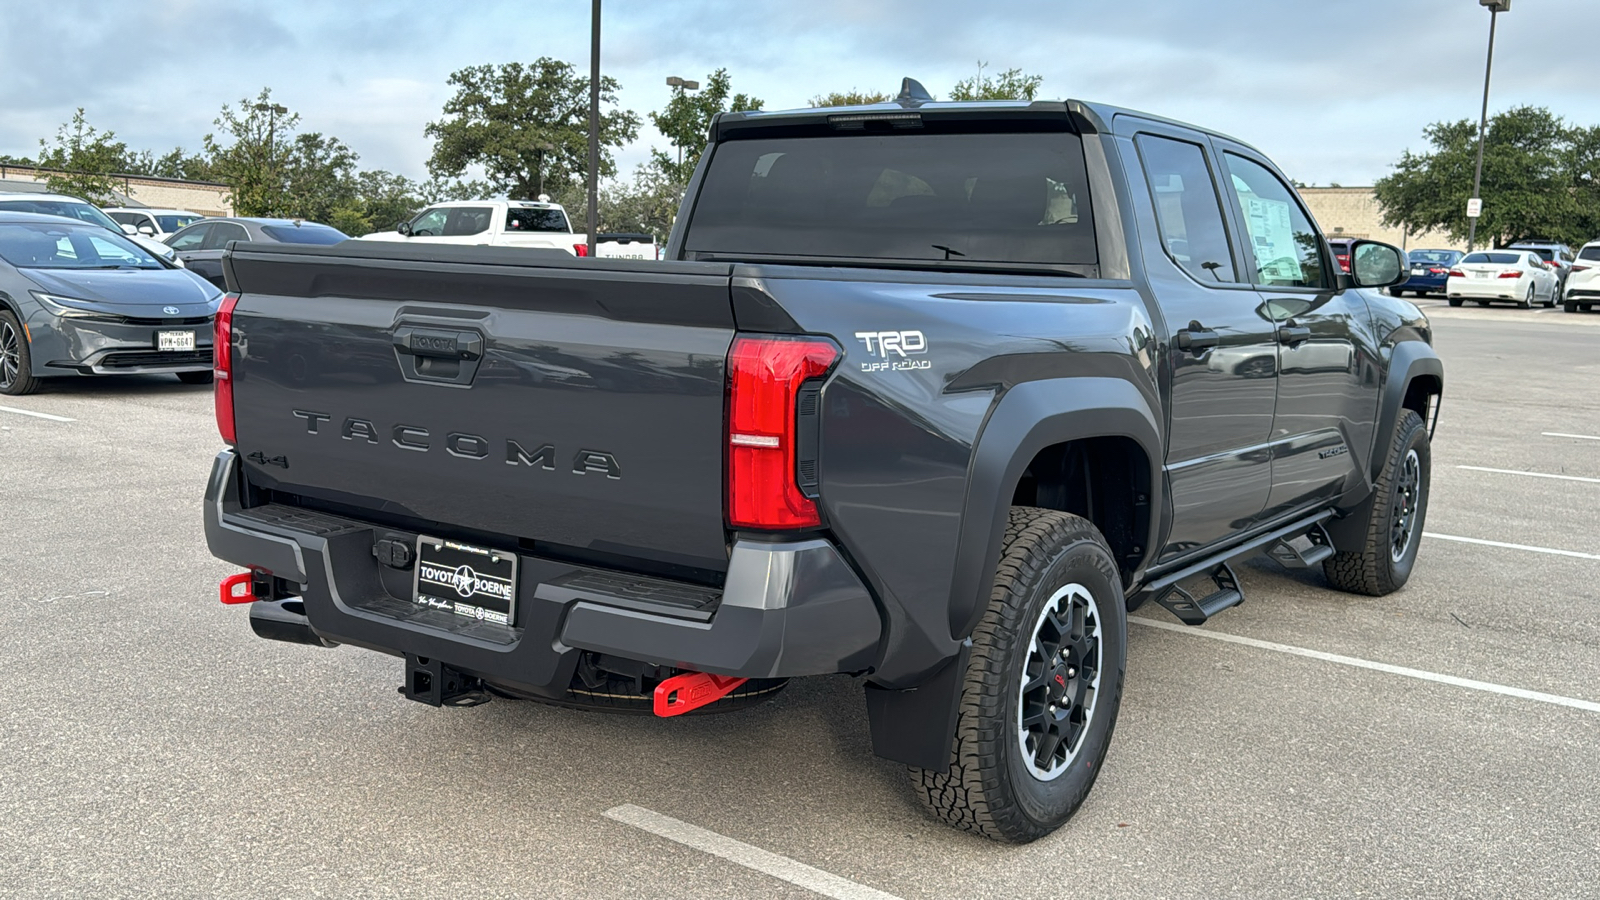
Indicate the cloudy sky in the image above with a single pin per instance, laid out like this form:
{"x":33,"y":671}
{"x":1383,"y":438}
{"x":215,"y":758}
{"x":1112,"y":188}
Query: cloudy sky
{"x":1333,"y":90}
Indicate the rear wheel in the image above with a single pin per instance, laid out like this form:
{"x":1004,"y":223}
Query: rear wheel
{"x":1396,"y":292}
{"x":1569,"y":306}
{"x":1455,"y":301}
{"x":1042,"y":687}
{"x":16,"y":363}
{"x":1526,"y":302}
{"x":1395,"y":515}
{"x":195,"y":377}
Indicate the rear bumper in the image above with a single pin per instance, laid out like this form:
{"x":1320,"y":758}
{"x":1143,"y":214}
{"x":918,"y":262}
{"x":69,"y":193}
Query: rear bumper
{"x":787,"y":609}
{"x":1432,"y":284}
{"x":1488,"y":288}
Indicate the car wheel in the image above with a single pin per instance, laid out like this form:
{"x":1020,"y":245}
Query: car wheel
{"x":16,"y":363}
{"x":1041,"y":690}
{"x":1455,"y":301}
{"x":1395,"y":515}
{"x":1526,"y":302}
{"x":1550,"y":301}
{"x":1569,"y":306}
{"x":195,"y":377}
{"x":1396,"y":292}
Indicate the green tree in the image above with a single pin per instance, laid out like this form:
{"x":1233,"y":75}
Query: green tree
{"x":648,"y":203}
{"x":526,"y":126}
{"x":686,"y":122}
{"x":1011,"y":84}
{"x":376,"y":201}
{"x":253,"y":153}
{"x":1532,"y":181}
{"x":82,"y":160}
{"x":851,"y":97}
{"x":176,"y":164}
{"x":318,"y":177}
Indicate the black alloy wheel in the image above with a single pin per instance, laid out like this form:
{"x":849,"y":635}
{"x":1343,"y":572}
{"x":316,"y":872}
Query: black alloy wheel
{"x":1403,"y":511}
{"x":1393,"y":516}
{"x":16,"y":365}
{"x":1060,"y":682}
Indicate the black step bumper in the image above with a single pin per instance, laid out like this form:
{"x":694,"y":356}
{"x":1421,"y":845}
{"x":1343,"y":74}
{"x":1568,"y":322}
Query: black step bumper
{"x":786,"y":609}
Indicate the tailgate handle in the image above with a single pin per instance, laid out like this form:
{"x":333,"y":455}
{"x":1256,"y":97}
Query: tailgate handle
{"x":438,"y":343}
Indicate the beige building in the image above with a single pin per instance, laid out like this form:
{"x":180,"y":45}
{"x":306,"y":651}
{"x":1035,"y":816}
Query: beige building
{"x":1353,"y":212}
{"x":204,"y":197}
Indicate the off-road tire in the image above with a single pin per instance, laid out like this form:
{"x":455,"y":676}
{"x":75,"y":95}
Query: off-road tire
{"x":17,"y":377}
{"x":195,"y":377}
{"x":989,"y":788}
{"x":1376,"y":570}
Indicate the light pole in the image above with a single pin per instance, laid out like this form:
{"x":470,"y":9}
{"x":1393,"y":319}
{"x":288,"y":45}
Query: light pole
{"x":1474,"y":205}
{"x":273,"y":111}
{"x":594,"y":123}
{"x":685,"y":85}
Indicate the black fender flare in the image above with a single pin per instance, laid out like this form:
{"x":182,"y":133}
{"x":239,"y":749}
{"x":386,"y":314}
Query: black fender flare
{"x":1030,"y":417}
{"x":1411,"y":359}
{"x":913,"y":717}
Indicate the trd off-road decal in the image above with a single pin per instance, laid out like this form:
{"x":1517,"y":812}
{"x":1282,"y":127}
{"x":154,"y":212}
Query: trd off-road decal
{"x":895,"y":349}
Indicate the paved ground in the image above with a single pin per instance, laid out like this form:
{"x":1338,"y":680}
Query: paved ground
{"x":150,"y":746}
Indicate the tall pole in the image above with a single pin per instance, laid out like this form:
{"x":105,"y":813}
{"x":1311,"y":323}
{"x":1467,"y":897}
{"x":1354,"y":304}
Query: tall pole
{"x":1483,"y":125}
{"x":594,"y":124}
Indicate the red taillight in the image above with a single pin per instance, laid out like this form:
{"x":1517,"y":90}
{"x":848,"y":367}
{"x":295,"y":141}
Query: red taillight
{"x":1578,"y":268}
{"x":580,"y":249}
{"x":765,"y":375}
{"x":1457,"y":273}
{"x":222,"y":365}
{"x":1510,"y":275}
{"x":1437,"y":271}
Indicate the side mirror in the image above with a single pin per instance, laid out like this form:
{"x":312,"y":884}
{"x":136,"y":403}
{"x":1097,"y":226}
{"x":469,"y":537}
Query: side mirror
{"x":404,"y":228}
{"x":129,"y":229}
{"x":147,"y":231}
{"x":1375,"y":265}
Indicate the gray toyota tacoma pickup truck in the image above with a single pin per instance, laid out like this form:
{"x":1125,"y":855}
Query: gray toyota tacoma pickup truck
{"x":931,"y":394}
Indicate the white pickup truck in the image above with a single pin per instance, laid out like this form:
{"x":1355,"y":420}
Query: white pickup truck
{"x":512,"y":223}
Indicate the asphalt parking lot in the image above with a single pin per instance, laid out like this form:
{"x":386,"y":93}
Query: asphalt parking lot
{"x":151,"y":746}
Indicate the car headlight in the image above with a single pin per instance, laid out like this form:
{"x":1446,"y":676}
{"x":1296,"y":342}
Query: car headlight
{"x":68,"y":308}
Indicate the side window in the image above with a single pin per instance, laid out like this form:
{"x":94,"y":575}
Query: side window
{"x":465,"y":220}
{"x":1187,"y":208}
{"x":222,"y":233}
{"x":1282,"y":238}
{"x":190,"y":238}
{"x":430,"y":223}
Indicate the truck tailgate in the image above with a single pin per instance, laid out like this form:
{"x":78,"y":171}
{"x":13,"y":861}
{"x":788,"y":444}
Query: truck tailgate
{"x":514,"y":393}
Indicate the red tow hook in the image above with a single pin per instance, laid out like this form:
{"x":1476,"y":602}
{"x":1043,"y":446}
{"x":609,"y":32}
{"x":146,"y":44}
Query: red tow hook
{"x":692,"y":690}
{"x":238,"y":588}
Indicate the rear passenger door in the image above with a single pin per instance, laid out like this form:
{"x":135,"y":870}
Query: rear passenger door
{"x":207,"y":260}
{"x":1221,"y":356}
{"x":1327,"y":370}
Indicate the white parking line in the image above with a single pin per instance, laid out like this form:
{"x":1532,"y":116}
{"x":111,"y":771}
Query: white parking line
{"x":1581,"y":437}
{"x":1470,"y":684}
{"x":1530,"y":474}
{"x":781,"y":867}
{"x":1467,"y":540}
{"x":37,"y":415}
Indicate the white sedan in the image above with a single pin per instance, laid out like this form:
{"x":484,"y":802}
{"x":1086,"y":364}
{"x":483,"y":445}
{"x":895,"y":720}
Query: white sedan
{"x":1517,"y":276}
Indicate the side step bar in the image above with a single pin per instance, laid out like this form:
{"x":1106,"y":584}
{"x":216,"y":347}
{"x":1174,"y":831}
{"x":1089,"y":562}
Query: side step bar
{"x":1300,"y":544}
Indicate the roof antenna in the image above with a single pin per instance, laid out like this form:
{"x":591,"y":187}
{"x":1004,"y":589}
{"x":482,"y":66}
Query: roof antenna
{"x":912,"y":94}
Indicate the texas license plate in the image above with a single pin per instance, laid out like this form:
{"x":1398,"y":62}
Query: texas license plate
{"x":174,"y":340}
{"x":475,"y":582}
{"x":1419,"y":270}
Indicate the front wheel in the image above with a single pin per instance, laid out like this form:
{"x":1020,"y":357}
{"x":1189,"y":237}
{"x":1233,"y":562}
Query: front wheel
{"x":1041,"y":690}
{"x":1455,"y":301}
{"x":1395,"y":514}
{"x":1569,"y":306}
{"x":16,"y":363}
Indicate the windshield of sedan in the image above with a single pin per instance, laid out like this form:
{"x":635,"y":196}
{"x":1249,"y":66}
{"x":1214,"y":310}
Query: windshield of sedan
{"x":1433,"y":256}
{"x":72,"y":210}
{"x":35,"y":245}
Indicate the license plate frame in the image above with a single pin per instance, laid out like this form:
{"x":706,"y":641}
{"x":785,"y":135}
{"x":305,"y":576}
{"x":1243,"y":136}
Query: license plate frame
{"x":466,"y":580}
{"x":175,"y":341}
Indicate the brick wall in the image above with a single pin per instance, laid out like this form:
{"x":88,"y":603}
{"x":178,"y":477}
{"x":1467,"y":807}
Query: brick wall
{"x":1354,"y":212}
{"x":169,"y":193}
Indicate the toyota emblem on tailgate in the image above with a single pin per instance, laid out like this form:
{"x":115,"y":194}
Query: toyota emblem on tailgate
{"x":170,"y":310}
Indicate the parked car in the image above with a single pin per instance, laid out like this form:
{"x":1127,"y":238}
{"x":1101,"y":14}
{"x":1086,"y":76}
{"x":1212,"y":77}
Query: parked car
{"x":1556,"y":255}
{"x":1519,"y":276}
{"x":535,"y":224}
{"x":83,"y":210}
{"x":923,"y":392}
{"x":200,"y":245}
{"x":153,"y":223}
{"x":78,"y":299}
{"x":1341,"y":252}
{"x":1583,"y":285}
{"x":1429,"y":271}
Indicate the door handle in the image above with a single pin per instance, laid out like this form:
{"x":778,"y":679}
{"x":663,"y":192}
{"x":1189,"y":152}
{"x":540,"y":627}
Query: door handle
{"x":438,"y":343}
{"x":1196,"y":338}
{"x":1291,"y":334}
